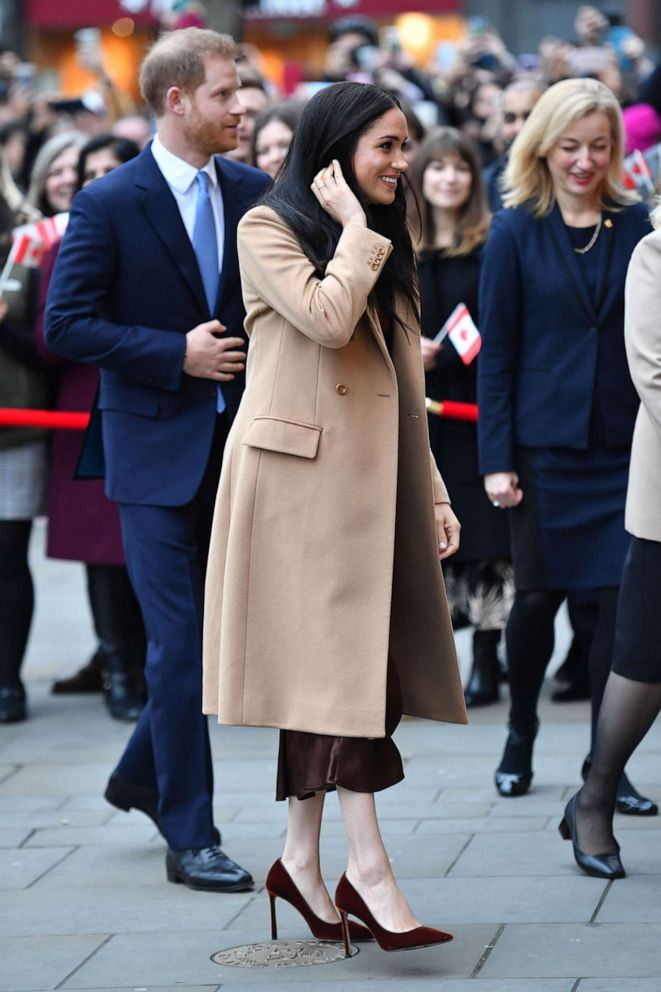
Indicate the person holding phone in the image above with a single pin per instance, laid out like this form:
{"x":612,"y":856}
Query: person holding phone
{"x":325,"y":609}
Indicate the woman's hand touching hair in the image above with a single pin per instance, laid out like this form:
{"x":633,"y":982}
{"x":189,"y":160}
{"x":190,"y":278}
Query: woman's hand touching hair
{"x":336,"y":197}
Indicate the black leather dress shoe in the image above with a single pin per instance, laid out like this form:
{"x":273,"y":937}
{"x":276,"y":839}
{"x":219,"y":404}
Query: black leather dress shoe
{"x":86,"y":679}
{"x":600,"y":865}
{"x":207,"y":869}
{"x":127,"y":795}
{"x":12,"y":704}
{"x":629,"y":801}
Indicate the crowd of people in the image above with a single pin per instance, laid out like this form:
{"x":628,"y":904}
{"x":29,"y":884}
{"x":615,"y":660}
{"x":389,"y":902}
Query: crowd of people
{"x":480,"y":233}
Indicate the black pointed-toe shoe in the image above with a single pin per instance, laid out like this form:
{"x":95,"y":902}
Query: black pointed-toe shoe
{"x":514,"y":774}
{"x":629,"y":801}
{"x":127,"y":795}
{"x":600,"y":865}
{"x":207,"y":869}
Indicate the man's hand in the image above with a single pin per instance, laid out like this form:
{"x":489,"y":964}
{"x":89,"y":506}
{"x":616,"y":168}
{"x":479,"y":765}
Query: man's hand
{"x":211,"y":357}
{"x":503,"y":489}
{"x":447,"y":530}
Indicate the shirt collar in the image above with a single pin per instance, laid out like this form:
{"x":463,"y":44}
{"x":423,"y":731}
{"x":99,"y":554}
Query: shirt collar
{"x":180,"y":175}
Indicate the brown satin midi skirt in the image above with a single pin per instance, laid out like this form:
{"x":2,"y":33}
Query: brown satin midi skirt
{"x":309,"y":763}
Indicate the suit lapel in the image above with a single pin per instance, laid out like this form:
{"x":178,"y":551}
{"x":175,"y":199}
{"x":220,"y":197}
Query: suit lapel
{"x":566,"y":253}
{"x":163,"y":214}
{"x":608,"y":236}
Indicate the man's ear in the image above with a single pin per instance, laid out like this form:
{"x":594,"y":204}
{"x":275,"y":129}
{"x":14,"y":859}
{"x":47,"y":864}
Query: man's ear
{"x":175,"y":100}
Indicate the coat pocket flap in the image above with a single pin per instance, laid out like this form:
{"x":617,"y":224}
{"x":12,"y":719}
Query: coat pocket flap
{"x":286,"y":436}
{"x":128,"y":401}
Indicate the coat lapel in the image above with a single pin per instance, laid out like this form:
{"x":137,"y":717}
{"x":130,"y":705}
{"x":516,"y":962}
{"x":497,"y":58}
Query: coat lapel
{"x":566,"y":253}
{"x":607,"y":236}
{"x":374,"y":321}
{"x":163,"y":214}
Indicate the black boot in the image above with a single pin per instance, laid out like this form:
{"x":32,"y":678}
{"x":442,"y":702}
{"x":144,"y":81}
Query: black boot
{"x":118,"y":625}
{"x":629,"y":801}
{"x":514,"y":773}
{"x":482,"y":687}
{"x":120,"y":694}
{"x":13,"y":707}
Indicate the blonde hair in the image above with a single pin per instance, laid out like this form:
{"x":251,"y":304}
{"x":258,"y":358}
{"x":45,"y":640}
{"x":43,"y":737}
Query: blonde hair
{"x":177,"y":59}
{"x":527,"y":178}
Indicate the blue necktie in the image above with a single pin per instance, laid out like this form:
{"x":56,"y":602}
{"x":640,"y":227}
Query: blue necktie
{"x":205,"y":245}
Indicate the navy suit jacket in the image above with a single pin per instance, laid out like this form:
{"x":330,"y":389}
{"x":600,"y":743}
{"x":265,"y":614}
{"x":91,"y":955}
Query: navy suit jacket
{"x":125,"y":290}
{"x":545,"y":343}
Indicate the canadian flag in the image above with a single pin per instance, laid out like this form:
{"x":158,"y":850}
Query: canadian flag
{"x":31,"y":241}
{"x":463,"y":333}
{"x":637,"y":173}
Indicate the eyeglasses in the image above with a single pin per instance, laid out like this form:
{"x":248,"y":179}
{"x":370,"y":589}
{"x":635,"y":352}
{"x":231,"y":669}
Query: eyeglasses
{"x":511,"y":118}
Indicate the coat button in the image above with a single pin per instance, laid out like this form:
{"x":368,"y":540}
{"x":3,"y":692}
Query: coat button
{"x":341,"y":389}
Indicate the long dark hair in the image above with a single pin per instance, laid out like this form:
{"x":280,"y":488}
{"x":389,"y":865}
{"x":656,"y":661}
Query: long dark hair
{"x":122,"y":148}
{"x":329,"y":128}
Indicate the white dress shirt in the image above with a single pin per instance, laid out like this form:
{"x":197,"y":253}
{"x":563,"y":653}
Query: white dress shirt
{"x":180,"y":177}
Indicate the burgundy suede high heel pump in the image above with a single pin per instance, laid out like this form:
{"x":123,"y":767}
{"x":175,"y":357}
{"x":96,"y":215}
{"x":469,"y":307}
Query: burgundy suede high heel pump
{"x":279,"y":884}
{"x":348,"y":901}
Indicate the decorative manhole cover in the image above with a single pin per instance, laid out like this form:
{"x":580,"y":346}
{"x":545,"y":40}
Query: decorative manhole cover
{"x":282,"y":954}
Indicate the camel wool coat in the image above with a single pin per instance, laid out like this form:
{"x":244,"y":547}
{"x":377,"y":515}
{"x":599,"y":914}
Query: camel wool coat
{"x":642,"y":333}
{"x":310,"y":584}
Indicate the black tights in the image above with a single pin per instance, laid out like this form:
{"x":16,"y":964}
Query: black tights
{"x":628,"y":711}
{"x":530,"y":640}
{"x":16,"y":598}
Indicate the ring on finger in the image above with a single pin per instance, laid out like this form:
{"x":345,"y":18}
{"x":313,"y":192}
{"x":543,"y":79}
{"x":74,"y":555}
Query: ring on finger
{"x":495,"y":502}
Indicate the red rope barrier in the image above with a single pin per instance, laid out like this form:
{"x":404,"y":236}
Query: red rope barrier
{"x":452,"y":410}
{"x":63,"y":420}
{"x":52,"y":419}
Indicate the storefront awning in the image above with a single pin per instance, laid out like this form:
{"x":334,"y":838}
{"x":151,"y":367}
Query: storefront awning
{"x":72,"y":14}
{"x":314,"y":10}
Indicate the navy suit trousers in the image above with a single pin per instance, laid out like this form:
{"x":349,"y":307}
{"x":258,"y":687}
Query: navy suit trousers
{"x":166,"y":552}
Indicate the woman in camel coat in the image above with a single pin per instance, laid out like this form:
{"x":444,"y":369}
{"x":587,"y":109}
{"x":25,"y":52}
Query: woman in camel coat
{"x":325,"y":609}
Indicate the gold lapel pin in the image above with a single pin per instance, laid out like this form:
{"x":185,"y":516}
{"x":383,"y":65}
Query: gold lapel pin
{"x":608,"y":223}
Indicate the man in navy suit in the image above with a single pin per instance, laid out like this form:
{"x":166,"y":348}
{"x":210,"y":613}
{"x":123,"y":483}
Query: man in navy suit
{"x":147,"y":287}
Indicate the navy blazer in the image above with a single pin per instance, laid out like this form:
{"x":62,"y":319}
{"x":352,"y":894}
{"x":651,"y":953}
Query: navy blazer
{"x":125,"y":291}
{"x":546,"y":343}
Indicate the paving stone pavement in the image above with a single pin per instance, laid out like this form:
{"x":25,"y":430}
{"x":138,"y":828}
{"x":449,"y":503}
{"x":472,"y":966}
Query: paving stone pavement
{"x":84,"y":903}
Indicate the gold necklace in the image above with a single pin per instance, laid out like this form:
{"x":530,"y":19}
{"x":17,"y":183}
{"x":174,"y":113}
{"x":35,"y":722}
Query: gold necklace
{"x":593,"y":240}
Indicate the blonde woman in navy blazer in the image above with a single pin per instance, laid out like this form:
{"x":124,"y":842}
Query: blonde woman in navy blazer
{"x":557,"y":405}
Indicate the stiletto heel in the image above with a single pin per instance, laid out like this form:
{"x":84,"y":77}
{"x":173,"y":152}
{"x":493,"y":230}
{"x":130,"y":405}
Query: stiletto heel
{"x":274,"y":925}
{"x":348,"y":901}
{"x":600,"y":865}
{"x":345,"y":934}
{"x":279,"y":884}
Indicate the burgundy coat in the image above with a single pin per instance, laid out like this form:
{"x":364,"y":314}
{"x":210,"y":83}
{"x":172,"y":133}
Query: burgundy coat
{"x":83,"y":524}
